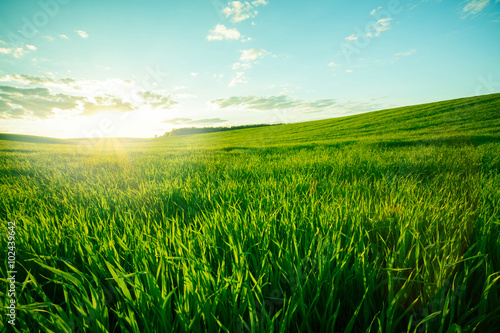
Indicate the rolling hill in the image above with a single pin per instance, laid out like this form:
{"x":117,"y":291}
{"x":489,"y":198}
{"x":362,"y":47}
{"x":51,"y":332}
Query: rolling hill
{"x":475,"y":118}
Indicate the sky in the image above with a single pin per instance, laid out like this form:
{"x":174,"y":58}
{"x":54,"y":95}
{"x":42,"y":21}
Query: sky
{"x":122,"y":68}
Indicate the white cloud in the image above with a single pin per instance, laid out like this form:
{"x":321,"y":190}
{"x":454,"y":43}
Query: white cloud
{"x":16,"y":51}
{"x":269,"y":103}
{"x":238,"y":11}
{"x":247,"y":60}
{"x":115,"y":94}
{"x":239,"y":78}
{"x":252,"y":54}
{"x":63,"y":36}
{"x":403,"y":54}
{"x":373,"y":12}
{"x":332,"y":64}
{"x":157,"y":101}
{"x":348,"y":71}
{"x":351,"y":37}
{"x":383,"y":24}
{"x":82,"y":33}
{"x":220,"y":32}
{"x":194,"y":74}
{"x":406,"y":54}
{"x":87,"y":87}
{"x":374,"y":30}
{"x":474,"y":6}
{"x":287,"y":107}
{"x":239,"y":65}
{"x":35,"y":102}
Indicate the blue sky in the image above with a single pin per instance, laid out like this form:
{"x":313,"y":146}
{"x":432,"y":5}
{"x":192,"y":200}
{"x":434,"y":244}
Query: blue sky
{"x":73,"y":68}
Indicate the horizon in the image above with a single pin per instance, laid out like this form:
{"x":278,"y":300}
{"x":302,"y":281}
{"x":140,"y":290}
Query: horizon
{"x":83,"y":70}
{"x":229,"y":126}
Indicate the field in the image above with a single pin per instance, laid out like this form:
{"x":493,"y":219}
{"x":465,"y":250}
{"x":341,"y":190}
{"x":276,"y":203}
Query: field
{"x":381,"y":222}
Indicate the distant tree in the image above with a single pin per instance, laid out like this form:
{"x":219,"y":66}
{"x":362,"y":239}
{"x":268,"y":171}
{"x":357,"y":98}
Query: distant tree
{"x":200,"y":130}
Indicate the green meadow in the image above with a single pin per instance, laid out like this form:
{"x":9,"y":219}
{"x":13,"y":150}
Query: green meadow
{"x":387,"y":221}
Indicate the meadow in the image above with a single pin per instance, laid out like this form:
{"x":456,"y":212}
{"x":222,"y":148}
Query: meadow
{"x":387,"y":221}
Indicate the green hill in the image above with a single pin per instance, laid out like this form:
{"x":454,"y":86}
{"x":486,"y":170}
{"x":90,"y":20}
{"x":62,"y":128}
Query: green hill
{"x":474,"y":118}
{"x":32,"y":139}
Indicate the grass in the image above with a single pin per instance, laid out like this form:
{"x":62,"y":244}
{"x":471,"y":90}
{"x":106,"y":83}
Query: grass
{"x":382,"y":222}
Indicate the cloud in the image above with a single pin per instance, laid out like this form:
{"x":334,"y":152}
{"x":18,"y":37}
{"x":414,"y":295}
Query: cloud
{"x":247,"y":60}
{"x":473,"y":7}
{"x":37,"y":101}
{"x":403,"y":54}
{"x":41,"y":103}
{"x":66,"y":37}
{"x":373,"y":12}
{"x":293,"y":105}
{"x":157,"y":100}
{"x":351,"y":37}
{"x":177,"y":121}
{"x":114,"y":86}
{"x":220,"y":32}
{"x":82,"y":33}
{"x":34,"y":102}
{"x":35,"y":79}
{"x":189,"y":121}
{"x":280,"y":102}
{"x":239,"y":78}
{"x":238,"y":11}
{"x":106,"y":104}
{"x":332,"y":64}
{"x":383,"y":24}
{"x":238,"y":65}
{"x":406,"y":54}
{"x":252,"y":54}
{"x":16,"y":51}
{"x":348,"y":70}
{"x":373,"y":30}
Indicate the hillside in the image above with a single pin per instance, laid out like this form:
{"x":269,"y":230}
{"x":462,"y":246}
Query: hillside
{"x":32,"y":139}
{"x":475,"y":118}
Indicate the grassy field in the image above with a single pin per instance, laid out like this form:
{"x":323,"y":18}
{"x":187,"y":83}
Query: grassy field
{"x":381,"y":222}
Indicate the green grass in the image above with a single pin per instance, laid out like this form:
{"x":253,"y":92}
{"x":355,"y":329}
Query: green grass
{"x":381,"y":222}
